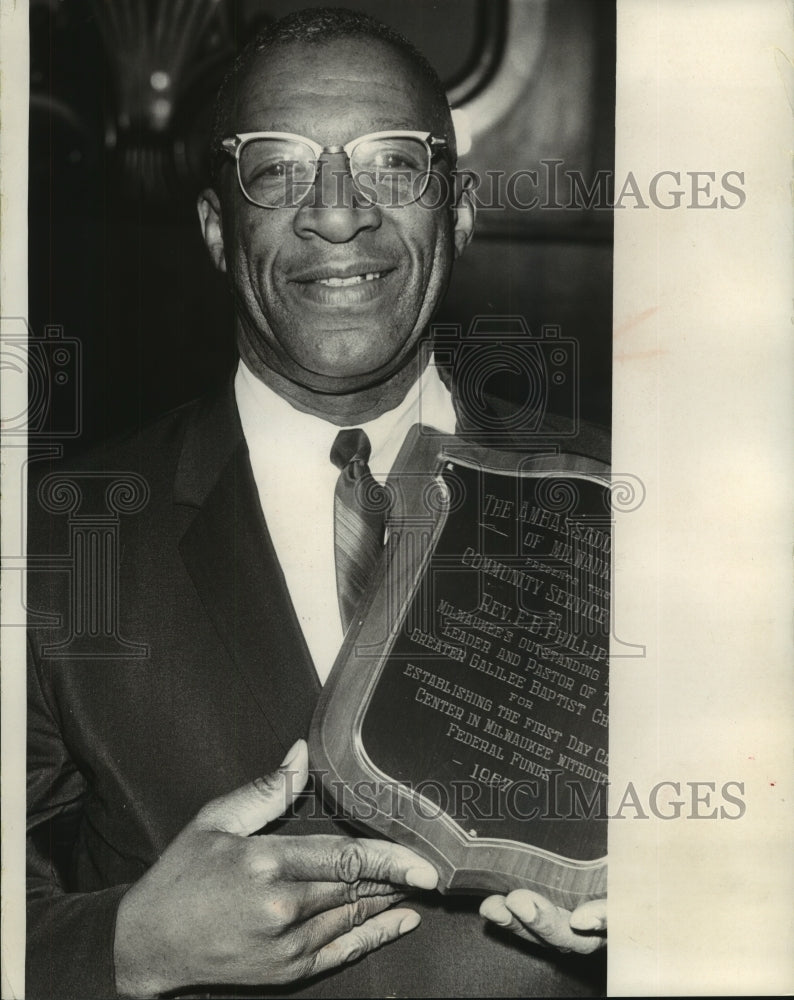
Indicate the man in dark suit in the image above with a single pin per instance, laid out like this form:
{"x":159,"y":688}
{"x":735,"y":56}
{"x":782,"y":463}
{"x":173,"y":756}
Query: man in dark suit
{"x":144,"y":877}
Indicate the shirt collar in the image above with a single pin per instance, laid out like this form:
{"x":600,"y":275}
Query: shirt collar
{"x":306,"y":437}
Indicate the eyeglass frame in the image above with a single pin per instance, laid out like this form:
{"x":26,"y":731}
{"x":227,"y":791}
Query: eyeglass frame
{"x":233,"y":146}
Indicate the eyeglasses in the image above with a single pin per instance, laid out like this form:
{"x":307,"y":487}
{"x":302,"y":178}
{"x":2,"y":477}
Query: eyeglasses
{"x":278,"y":169}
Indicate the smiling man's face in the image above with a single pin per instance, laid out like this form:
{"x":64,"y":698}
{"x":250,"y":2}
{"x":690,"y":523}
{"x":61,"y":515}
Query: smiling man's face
{"x":333,"y":294}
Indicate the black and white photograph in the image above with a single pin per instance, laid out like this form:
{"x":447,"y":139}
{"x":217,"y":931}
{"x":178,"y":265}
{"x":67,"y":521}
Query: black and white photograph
{"x":397,"y":490}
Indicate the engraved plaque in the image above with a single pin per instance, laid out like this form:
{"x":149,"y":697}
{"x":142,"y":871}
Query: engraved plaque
{"x":466,"y":715}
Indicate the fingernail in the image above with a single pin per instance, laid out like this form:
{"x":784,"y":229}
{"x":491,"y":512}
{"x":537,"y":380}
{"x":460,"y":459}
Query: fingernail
{"x":593,"y":924}
{"x":526,"y":912}
{"x":292,"y":753}
{"x":498,"y":917}
{"x":409,"y":922}
{"x":422,"y":877}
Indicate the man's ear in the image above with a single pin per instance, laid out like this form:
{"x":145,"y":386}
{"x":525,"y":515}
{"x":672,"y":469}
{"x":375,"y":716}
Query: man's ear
{"x":464,"y":212}
{"x":209,"y":210}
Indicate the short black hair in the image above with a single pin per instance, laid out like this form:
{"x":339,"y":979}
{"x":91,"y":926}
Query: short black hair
{"x":315,"y":26}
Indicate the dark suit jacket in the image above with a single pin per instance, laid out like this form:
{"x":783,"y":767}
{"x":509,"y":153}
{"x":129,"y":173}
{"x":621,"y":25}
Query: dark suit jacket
{"x":124,"y":749}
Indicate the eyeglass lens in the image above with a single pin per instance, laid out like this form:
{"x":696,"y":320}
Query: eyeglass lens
{"x":387,"y":171}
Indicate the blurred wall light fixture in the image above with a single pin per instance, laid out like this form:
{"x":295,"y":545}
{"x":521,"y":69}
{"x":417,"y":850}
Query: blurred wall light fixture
{"x":516,"y":62}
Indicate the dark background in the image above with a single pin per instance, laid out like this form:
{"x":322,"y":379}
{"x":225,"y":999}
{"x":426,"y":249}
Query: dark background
{"x":116,"y":257}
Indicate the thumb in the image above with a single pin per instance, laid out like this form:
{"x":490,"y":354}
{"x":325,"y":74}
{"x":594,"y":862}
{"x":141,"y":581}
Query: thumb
{"x":248,"y":809}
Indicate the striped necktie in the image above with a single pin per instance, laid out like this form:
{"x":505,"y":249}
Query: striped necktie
{"x":360,"y":508}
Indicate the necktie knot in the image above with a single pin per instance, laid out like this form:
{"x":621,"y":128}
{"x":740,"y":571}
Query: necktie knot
{"x":351,"y":446}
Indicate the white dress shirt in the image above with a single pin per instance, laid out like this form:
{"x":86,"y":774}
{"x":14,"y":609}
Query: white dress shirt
{"x":290,"y":456}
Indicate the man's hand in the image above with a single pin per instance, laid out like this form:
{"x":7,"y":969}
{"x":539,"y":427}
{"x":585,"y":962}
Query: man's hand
{"x":532,"y":917}
{"x":221,"y":906}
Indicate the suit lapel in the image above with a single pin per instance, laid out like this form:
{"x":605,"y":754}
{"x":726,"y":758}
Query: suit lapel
{"x":230,"y":557}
